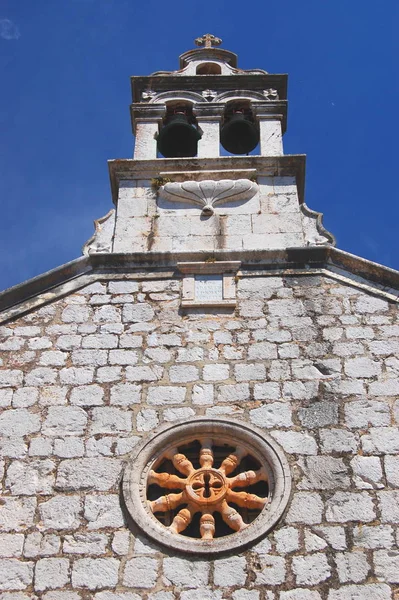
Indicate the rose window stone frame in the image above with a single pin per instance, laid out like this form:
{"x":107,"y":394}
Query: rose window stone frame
{"x":207,"y":486}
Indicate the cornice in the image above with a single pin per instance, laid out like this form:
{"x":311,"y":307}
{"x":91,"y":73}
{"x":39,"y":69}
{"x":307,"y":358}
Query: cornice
{"x":291,"y":165}
{"x":312,"y":260}
{"x":195,"y":83}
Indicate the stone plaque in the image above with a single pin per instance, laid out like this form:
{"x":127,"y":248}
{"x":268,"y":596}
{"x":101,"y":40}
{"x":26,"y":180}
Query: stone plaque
{"x":208,"y":288}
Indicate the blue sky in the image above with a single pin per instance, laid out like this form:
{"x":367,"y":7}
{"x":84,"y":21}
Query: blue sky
{"x":64,"y":109}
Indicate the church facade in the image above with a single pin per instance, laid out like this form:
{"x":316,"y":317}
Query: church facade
{"x":205,"y":405}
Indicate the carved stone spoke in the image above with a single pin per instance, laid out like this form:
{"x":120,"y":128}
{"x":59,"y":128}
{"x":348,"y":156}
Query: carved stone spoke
{"x":207,"y":490}
{"x":167,"y":480}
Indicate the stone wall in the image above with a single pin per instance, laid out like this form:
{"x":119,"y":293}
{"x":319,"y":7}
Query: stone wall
{"x":272,"y":219}
{"x":309,"y":360}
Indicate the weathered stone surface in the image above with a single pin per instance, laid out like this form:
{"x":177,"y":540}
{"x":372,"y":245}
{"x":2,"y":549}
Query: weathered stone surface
{"x":18,"y":422}
{"x":347,"y":506}
{"x":11,"y":544}
{"x":140,"y":572}
{"x":15,"y":574}
{"x":103,"y":511}
{"x":61,"y":512}
{"x":27,"y":479}
{"x":94,"y":573}
{"x":312,"y":569}
{"x":85,"y":543}
{"x":51,"y":573}
{"x":17,"y":513}
{"x":88,"y":473}
{"x":64,"y":420}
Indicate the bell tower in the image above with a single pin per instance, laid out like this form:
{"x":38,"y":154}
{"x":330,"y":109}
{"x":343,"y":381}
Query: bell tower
{"x":208,"y":174}
{"x":208,"y":104}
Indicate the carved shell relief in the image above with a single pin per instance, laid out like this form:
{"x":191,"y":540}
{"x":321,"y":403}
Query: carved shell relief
{"x":208,"y":193}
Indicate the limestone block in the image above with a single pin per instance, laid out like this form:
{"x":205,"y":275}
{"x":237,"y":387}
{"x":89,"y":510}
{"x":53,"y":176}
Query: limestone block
{"x":18,"y":422}
{"x":183,"y":373}
{"x":27,"y":479}
{"x":51,"y":573}
{"x":338,"y":440}
{"x":381,"y":440}
{"x":272,"y":570}
{"x":163,"y":395}
{"x":87,"y":395}
{"x":15,"y":574}
{"x":312,"y":569}
{"x":363,"y":413}
{"x":230,"y":570}
{"x":349,"y":506}
{"x":352,"y":567}
{"x":250,"y":372}
{"x":141,"y":572}
{"x":147,"y":419}
{"x":373,"y":537}
{"x":94,"y":573}
{"x":76,"y":375}
{"x":389,"y":506}
{"x":68,"y":447}
{"x":323,"y":473}
{"x":185,"y":573}
{"x":274,"y":414}
{"x":125,"y":394}
{"x":121,"y":542}
{"x":38,"y":544}
{"x":103,"y":511}
{"x":99,"y":474}
{"x":306,"y":507}
{"x":64,"y":420}
{"x":362,"y":367}
{"x":60,"y":512}
{"x":153,"y":373}
{"x":271,"y":137}
{"x":85,"y":543}
{"x":100,"y":341}
{"x":11,"y":544}
{"x":110,"y":420}
{"x":367,"y":472}
{"x":295,"y":442}
{"x":387,"y":565}
{"x":41,"y":376}
{"x":25,"y":397}
{"x":203,"y":394}
{"x":178,"y":414}
{"x":300,"y":594}
{"x":17,"y":513}
{"x":52,"y":395}
{"x":76,"y":314}
{"x":287,"y":540}
{"x":373,"y":591}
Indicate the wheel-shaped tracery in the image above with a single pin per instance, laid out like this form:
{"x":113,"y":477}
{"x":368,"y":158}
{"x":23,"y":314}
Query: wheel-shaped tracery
{"x":216,"y":482}
{"x":206,"y":486}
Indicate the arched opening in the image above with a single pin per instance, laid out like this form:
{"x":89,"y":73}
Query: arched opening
{"x":209,"y":69}
{"x":179,"y":134}
{"x":239,"y":133}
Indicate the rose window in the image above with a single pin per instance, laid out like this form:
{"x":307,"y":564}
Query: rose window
{"x":206,"y":486}
{"x":214,"y":483}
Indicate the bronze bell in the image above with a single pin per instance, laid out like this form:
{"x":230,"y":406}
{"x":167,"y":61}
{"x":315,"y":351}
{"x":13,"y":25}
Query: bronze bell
{"x":178,"y":137}
{"x":239,"y":134}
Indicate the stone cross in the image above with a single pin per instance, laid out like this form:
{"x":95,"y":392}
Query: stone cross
{"x":208,"y":40}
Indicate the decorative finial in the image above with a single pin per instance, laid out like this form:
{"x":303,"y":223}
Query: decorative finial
{"x":208,"y":40}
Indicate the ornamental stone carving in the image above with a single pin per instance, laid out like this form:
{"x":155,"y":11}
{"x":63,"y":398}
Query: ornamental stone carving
{"x":208,"y":193}
{"x":207,"y":485}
